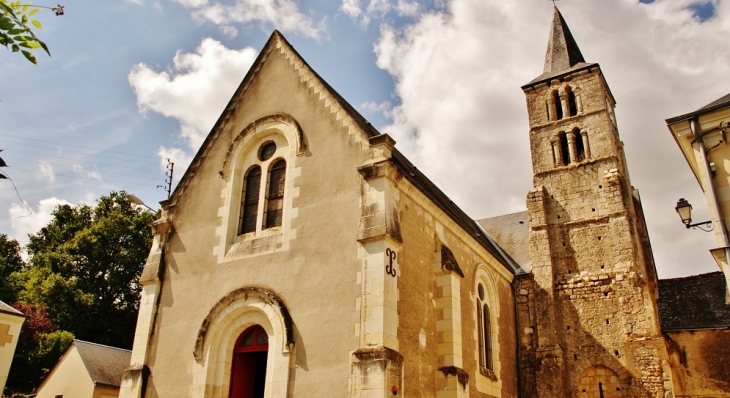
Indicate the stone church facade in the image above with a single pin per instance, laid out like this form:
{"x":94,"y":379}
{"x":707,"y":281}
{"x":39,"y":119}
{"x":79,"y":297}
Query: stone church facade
{"x":302,"y":255}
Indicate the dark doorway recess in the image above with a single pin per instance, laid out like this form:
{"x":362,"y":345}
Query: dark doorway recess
{"x":248,"y":368}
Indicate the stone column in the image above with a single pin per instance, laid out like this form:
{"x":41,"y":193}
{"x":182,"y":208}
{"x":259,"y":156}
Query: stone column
{"x":376,"y":367}
{"x":134,"y":379}
{"x":571,"y":147}
{"x":586,"y":147}
{"x":556,"y":151}
{"x":451,"y":379}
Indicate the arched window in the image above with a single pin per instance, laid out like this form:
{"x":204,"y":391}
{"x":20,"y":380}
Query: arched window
{"x":485,"y":330}
{"x":248,"y":366}
{"x":564,"y":149}
{"x":254,"y":192}
{"x":250,"y":200}
{"x":558,"y":105}
{"x":275,"y":194}
{"x":572,"y":105}
{"x":580,"y":151}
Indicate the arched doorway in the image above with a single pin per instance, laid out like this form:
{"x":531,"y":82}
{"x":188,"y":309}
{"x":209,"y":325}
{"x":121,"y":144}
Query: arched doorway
{"x":599,"y":382}
{"x":248,"y":368}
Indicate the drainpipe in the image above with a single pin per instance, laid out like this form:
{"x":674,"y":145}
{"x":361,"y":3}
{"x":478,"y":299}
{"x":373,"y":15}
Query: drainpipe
{"x":715,"y":215}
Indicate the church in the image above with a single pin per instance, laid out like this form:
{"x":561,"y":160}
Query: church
{"x":303,"y":255}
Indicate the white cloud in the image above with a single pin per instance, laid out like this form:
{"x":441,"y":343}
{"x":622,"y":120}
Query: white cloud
{"x":458,"y":72}
{"x":282,"y":14}
{"x":195,"y":90}
{"x":384,"y":108}
{"x":23,"y":223}
{"x":178,"y":156}
{"x":90,"y":174}
{"x":377,"y":9}
{"x":351,"y":8}
{"x":45,"y":172}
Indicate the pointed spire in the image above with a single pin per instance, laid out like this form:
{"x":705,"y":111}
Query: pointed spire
{"x":562,"y":51}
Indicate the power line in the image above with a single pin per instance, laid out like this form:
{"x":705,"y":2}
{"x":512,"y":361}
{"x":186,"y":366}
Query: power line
{"x":89,"y":178}
{"x":105,"y":172}
{"x":78,"y":146}
{"x":79,"y":153}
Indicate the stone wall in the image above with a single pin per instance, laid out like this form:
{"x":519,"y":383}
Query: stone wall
{"x":699,"y":360}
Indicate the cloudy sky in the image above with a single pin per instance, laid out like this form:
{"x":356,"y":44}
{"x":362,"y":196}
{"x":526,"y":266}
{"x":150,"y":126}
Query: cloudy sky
{"x":132,"y":83}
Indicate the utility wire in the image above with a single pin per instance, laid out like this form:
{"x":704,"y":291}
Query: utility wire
{"x":77,"y":146}
{"x":80,"y":161}
{"x":79,"y":153}
{"x":89,"y":178}
{"x":18,"y":193}
{"x":105,"y":172}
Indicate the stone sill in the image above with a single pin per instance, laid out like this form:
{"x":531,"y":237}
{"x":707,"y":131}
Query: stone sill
{"x":488,"y":373}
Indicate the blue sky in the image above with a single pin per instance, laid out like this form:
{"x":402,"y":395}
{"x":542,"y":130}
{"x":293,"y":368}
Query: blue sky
{"x":131,"y":82}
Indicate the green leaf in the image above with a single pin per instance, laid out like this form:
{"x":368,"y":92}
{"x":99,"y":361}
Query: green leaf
{"x":36,"y":24}
{"x":29,"y":44}
{"x":44,"y":47}
{"x":25,"y":7}
{"x":15,"y":31}
{"x":30,"y":57}
{"x":33,"y":12}
{"x":15,"y":48}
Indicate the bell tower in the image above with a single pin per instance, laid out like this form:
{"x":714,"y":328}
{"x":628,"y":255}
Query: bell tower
{"x":595,"y":320}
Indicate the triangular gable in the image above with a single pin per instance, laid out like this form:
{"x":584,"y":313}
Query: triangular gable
{"x":338,"y":108}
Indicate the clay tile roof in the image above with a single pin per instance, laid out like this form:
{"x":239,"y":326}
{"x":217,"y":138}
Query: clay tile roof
{"x":694,"y":302}
{"x":105,"y":364}
{"x":512,"y":233}
{"x":4,"y":308}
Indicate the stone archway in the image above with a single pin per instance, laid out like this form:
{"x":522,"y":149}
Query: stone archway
{"x":599,"y":382}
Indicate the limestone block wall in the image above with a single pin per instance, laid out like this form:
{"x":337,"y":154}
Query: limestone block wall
{"x":437,"y":328}
{"x":699,"y":362}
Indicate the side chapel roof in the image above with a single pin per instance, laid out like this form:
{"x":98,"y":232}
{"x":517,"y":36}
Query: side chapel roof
{"x":105,"y":364}
{"x":694,"y":302}
{"x":563,"y":55}
{"x":512,"y":233}
{"x":6,"y":309}
{"x":347,"y":114}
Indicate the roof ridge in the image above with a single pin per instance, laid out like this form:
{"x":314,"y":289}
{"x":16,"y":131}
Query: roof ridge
{"x":100,"y":345}
{"x":337,"y":106}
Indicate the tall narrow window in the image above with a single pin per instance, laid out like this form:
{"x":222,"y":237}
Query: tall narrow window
{"x":558,"y":105}
{"x":275,"y":194}
{"x":484,"y":330}
{"x":580,"y":151}
{"x":572,"y":105}
{"x":250,"y":202}
{"x":564,"y":149}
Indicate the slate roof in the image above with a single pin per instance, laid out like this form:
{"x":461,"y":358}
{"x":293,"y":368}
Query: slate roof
{"x":694,"y":302}
{"x":105,"y":364}
{"x":563,"y":55}
{"x":720,"y":103}
{"x":4,"y":308}
{"x":512,"y":233}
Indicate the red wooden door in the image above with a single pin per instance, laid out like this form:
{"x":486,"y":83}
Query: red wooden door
{"x":248,"y":368}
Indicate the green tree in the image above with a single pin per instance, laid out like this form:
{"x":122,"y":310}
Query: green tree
{"x":84,"y":268}
{"x":40,"y":345}
{"x":15,"y":32}
{"x":11,"y":263}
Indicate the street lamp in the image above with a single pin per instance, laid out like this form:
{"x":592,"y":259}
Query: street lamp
{"x":684,"y":209}
{"x":137,"y":201}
